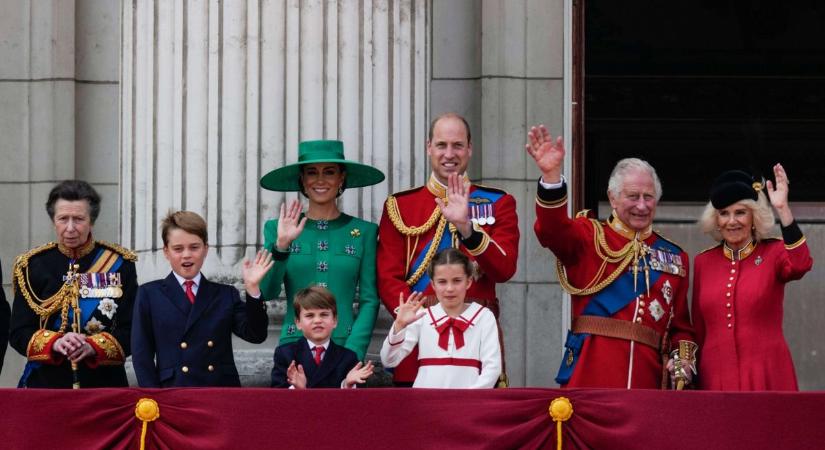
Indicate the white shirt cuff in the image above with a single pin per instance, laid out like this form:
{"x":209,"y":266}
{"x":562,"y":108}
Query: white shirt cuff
{"x":552,"y":185}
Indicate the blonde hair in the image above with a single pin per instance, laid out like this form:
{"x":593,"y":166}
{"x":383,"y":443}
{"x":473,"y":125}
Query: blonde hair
{"x":763,"y":218}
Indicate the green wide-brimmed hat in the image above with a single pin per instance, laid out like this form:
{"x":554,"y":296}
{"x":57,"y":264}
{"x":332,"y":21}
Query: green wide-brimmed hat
{"x":287,"y":178}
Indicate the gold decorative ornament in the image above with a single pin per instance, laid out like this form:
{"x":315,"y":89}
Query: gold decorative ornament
{"x":561,"y":410}
{"x":634,"y":251}
{"x":146,"y":410}
{"x":355,"y":232}
{"x":757,"y":186}
{"x":428,"y":257}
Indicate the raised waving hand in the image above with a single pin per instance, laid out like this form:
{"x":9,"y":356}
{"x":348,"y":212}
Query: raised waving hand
{"x":548,"y":155}
{"x":290,"y":224}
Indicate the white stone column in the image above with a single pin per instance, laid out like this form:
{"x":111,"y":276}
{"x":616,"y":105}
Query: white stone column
{"x":217,"y":93}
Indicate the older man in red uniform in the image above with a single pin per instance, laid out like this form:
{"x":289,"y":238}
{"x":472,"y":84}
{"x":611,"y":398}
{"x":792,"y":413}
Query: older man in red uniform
{"x":628,"y":284}
{"x":447,"y":212}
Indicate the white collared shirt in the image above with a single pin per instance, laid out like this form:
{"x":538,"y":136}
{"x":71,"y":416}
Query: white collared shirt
{"x":312,"y":346}
{"x":182,"y":280}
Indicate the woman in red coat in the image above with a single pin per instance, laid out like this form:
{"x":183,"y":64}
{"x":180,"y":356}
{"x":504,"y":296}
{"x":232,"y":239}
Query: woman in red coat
{"x":739,"y":285}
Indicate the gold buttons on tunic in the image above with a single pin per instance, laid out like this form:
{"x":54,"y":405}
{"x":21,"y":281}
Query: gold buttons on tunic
{"x":732,"y":271}
{"x":729,"y":284}
{"x":727,"y":305}
{"x":730,"y":315}
{"x":184,"y":369}
{"x":730,"y":279}
{"x":642,"y":304}
{"x":638,"y":320}
{"x":727,"y":294}
{"x":641,"y":312}
{"x":211,"y":368}
{"x":210,"y":344}
{"x":730,"y":325}
{"x":183,"y":345}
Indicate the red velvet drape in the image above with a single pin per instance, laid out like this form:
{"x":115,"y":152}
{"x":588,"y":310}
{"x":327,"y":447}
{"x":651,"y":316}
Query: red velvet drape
{"x":409,"y":418}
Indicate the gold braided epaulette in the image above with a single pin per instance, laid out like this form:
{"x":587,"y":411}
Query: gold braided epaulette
{"x":22,"y":262}
{"x":127,"y":254}
{"x":583,"y":213}
{"x":395,"y":218}
{"x":44,"y":308}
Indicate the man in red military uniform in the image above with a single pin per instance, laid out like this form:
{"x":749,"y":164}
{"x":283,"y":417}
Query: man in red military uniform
{"x":447,"y":212}
{"x":628,"y":284}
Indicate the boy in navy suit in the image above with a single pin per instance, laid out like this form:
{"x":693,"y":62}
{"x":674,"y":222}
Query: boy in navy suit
{"x":182,"y":325}
{"x":314,"y":361}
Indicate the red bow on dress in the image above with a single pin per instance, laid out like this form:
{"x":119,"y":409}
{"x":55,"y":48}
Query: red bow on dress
{"x":458,"y":327}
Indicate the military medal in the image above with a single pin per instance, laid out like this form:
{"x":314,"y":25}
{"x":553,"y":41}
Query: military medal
{"x":758,"y":260}
{"x":656,"y":310}
{"x":667,"y":291}
{"x":491,"y":219}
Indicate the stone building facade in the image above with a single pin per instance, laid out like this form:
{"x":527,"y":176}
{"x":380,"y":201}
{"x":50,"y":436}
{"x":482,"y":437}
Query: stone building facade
{"x":186,"y":104}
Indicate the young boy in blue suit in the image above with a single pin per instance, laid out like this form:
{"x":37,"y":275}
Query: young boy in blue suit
{"x":182,"y":325}
{"x":315,"y":361}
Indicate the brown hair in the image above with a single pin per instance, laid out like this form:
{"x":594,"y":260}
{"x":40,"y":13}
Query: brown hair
{"x":314,"y":297}
{"x":451,"y":256}
{"x":187,"y":221}
{"x":74,"y":190}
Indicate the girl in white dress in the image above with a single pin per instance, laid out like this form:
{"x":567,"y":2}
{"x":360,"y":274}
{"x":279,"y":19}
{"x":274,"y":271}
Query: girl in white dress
{"x":458,"y":343}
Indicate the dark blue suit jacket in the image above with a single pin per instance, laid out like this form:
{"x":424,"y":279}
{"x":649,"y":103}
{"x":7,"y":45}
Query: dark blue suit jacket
{"x":335,"y":365}
{"x":192,"y":343}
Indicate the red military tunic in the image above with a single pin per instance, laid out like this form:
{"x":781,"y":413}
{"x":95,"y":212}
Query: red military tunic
{"x":494,"y":247}
{"x":737,"y":312}
{"x":593,"y":360}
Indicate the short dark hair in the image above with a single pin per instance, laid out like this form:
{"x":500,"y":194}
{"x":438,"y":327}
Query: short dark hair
{"x":451,"y":256}
{"x":187,"y":221}
{"x":449,"y":115}
{"x":74,"y":190}
{"x":314,"y":297}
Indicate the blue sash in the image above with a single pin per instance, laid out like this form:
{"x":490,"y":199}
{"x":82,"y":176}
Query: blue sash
{"x":446,"y":241}
{"x":607,"y":302}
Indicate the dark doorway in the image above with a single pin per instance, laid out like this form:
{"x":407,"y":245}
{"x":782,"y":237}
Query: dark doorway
{"x":699,"y":87}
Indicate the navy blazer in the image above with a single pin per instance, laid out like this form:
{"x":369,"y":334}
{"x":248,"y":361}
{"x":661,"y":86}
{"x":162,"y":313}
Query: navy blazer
{"x":335,"y":365}
{"x":192,"y":342}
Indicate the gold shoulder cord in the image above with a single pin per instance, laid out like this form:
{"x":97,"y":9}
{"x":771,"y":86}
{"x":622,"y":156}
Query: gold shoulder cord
{"x":61,"y":300}
{"x":395,"y":218}
{"x":631,"y":252}
{"x":127,"y":254}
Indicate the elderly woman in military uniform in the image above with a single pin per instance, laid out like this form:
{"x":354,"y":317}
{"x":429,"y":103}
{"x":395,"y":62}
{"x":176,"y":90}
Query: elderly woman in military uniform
{"x":324,"y":246}
{"x":739,"y":285}
{"x":73,"y":299}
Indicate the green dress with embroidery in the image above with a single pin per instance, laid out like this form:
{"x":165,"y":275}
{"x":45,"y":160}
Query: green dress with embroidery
{"x":338,"y":254}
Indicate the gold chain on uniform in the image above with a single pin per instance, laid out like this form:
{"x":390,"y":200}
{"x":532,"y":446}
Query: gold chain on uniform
{"x":395,"y":218}
{"x":631,"y":252}
{"x":61,"y":300}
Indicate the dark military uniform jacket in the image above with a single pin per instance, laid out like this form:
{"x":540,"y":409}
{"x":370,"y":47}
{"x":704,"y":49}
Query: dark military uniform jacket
{"x":102,"y":288}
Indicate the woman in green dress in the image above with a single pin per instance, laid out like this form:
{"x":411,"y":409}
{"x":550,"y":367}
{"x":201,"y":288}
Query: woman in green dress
{"x":324,"y":246}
